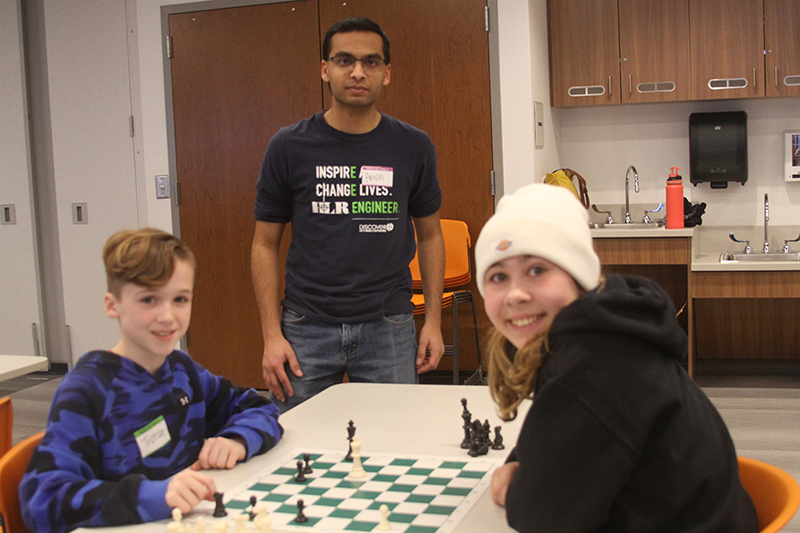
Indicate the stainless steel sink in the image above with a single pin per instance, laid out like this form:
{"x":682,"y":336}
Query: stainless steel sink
{"x":634,"y":225}
{"x":728,"y":257}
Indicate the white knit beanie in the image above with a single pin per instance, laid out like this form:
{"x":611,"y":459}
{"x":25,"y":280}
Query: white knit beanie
{"x":542,"y":220}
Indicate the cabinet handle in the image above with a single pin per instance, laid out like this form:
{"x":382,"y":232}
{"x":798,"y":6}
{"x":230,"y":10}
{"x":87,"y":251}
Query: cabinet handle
{"x":609,"y":86}
{"x":776,"y":77}
{"x":755,"y":87}
{"x":630,"y":90}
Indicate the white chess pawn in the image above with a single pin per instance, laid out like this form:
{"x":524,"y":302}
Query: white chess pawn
{"x":384,"y":524}
{"x":358,"y":470}
{"x":241,"y":522}
{"x":262,"y":521}
{"x":201,"y":525}
{"x":174,"y":527}
{"x":177,"y":515}
{"x":221,"y":526}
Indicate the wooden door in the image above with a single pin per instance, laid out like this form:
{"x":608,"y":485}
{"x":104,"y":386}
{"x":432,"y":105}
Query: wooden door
{"x":255,"y":69}
{"x":584,"y":52}
{"x":440,"y":84}
{"x":238,"y":75}
{"x":782,"y":34}
{"x":654,"y":47}
{"x":727,"y":48}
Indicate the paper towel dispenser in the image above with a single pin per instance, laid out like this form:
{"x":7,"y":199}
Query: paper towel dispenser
{"x":718,"y":148}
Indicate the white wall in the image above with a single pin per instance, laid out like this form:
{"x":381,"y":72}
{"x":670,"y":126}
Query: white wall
{"x":601,"y":142}
{"x":92,"y":152}
{"x":19,"y":294}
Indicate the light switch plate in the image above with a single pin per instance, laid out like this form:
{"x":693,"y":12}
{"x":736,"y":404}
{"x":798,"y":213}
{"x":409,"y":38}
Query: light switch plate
{"x":80,"y":213}
{"x":538,"y":118}
{"x":8,"y":214}
{"x":162,"y":186}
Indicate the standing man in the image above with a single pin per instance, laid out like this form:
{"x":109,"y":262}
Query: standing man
{"x":349,"y":180}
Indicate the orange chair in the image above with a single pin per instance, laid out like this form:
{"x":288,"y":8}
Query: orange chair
{"x":12,"y":468}
{"x":457,"y":274}
{"x":6,"y":424}
{"x":775,"y":493}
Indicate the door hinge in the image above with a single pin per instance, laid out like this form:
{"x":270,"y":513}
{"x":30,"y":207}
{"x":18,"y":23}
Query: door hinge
{"x":133,"y":131}
{"x":491,"y":175}
{"x":169,"y":47}
{"x":486,"y":17}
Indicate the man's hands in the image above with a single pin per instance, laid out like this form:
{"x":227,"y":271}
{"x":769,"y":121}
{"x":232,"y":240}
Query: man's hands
{"x":220,"y":452}
{"x":276,"y":353}
{"x":430,"y":340}
{"x":501,"y":478}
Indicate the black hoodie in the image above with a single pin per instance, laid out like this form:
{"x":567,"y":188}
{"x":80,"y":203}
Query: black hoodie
{"x":619,"y":438}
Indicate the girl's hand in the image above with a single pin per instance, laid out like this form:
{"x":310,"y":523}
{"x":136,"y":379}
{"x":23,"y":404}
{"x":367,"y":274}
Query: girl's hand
{"x":220,"y":452}
{"x":187,"y":488}
{"x":500,"y":481}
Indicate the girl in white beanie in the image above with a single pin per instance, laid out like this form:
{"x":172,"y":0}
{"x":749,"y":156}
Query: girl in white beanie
{"x":618,"y":438}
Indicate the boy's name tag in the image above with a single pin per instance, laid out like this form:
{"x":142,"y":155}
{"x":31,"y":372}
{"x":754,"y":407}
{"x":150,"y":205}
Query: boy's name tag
{"x":152,"y":437}
{"x":377,"y":176}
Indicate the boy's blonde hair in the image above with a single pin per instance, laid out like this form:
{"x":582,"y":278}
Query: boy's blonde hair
{"x":144,"y":256}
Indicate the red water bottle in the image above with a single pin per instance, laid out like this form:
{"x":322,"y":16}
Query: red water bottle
{"x":674,"y":200}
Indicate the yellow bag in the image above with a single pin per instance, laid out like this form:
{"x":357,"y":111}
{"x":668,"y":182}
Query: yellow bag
{"x":563,"y":178}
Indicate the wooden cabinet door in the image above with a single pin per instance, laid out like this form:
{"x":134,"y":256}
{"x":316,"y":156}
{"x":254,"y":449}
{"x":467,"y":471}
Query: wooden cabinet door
{"x":727,"y":48}
{"x":654,"y":47}
{"x":584,"y":52}
{"x":782,"y":37}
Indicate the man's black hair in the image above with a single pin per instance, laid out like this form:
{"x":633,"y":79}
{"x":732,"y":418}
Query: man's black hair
{"x":355,"y":24}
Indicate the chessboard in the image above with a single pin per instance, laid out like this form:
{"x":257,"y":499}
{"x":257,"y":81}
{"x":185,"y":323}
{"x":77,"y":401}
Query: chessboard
{"x":423,"y":494}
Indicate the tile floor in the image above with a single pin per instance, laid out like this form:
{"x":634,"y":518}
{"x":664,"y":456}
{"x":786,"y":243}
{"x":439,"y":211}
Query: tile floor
{"x":762,"y":413}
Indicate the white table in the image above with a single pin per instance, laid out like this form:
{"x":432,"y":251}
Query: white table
{"x":13,"y":366}
{"x":411,"y":419}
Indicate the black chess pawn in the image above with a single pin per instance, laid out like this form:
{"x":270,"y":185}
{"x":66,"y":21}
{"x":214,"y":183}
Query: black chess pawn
{"x":301,"y":477}
{"x":300,"y":518}
{"x":253,"y":501}
{"x":464,"y":404}
{"x":307,"y":459}
{"x":219,"y":509}
{"x":498,"y":439}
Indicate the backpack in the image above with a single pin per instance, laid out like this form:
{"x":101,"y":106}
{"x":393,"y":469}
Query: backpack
{"x":563,"y":177}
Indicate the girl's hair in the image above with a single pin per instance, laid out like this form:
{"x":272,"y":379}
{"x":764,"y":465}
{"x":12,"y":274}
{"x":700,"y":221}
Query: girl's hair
{"x":512,"y":371}
{"x":144,"y":256}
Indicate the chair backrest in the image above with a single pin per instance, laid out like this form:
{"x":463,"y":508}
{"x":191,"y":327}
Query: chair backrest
{"x":457,"y":243}
{"x":775,"y":494}
{"x":12,"y":468}
{"x":6,"y":424}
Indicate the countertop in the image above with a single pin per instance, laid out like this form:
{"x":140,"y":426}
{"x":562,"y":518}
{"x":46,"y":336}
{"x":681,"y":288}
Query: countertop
{"x":707,"y":245}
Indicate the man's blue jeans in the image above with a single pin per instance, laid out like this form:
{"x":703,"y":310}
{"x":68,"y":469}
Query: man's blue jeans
{"x":381,"y":351}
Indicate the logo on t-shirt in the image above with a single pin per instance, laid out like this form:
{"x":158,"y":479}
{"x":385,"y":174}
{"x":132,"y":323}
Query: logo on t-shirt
{"x":375,"y":228}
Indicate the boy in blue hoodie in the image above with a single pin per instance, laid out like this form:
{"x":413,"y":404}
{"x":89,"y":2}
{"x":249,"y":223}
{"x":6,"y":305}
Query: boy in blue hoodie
{"x":132,"y":428}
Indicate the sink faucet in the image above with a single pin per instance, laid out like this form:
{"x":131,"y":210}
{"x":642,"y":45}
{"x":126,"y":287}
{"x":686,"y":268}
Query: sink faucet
{"x":628,"y":219}
{"x":765,"y":250}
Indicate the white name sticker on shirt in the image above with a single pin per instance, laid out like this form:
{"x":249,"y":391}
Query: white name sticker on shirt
{"x":152,"y":437}
{"x":377,"y":176}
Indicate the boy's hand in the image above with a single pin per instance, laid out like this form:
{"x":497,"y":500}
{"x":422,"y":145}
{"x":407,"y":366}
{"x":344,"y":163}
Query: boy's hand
{"x":501,"y":478}
{"x":220,"y":452}
{"x":187,"y":488}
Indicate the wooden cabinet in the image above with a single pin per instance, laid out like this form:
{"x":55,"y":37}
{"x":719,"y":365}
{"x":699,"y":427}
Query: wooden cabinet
{"x":654,"y":50}
{"x":584,"y":52}
{"x":727,"y":48}
{"x":782,"y":47}
{"x":618,"y":51}
{"x":626,"y":51}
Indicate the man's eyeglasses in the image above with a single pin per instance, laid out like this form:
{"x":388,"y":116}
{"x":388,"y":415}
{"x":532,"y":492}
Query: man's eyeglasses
{"x":346,"y":61}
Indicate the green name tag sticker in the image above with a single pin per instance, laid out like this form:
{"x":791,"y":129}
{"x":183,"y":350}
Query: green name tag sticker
{"x":153,"y":436}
